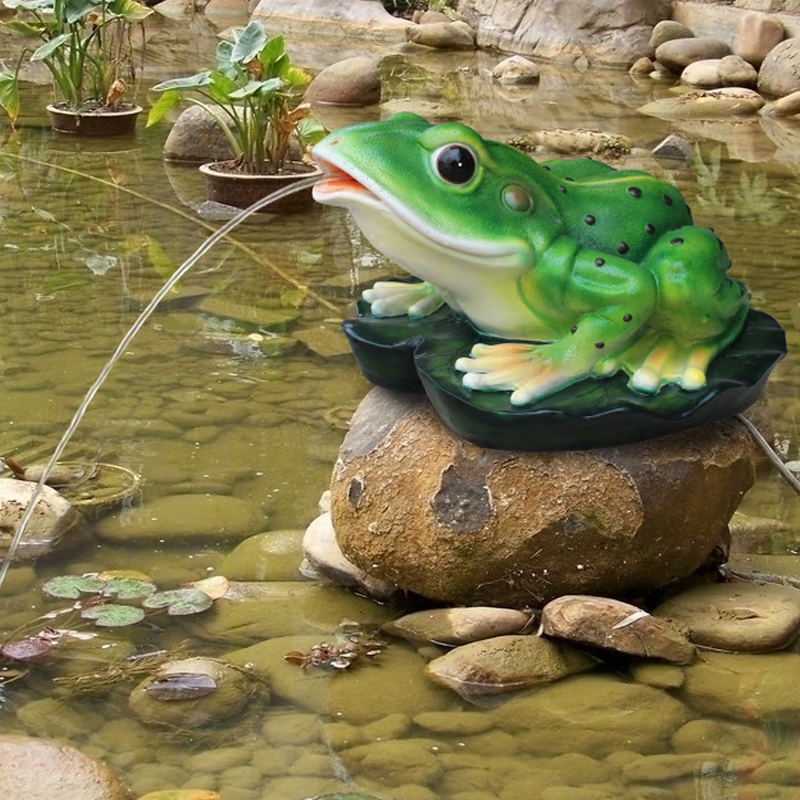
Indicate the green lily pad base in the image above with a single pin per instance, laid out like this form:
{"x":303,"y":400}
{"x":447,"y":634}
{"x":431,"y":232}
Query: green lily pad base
{"x":419,"y":355}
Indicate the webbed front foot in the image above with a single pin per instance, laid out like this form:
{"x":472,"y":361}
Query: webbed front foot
{"x":669,"y":361}
{"x":525,"y":369}
{"x":395,"y":298}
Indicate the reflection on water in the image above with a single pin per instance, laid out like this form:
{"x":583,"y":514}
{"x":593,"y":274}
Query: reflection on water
{"x":239,"y":387}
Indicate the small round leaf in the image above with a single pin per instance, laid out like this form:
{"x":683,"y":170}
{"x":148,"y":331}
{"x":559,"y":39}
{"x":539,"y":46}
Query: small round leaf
{"x":113,"y":616}
{"x":179,"y":602}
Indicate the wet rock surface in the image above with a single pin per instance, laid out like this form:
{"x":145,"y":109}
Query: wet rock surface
{"x":613,"y":625}
{"x":453,"y":626}
{"x":505,"y":664}
{"x":40,"y":769}
{"x":736,"y":616}
{"x":193,"y":693}
{"x":54,"y":524}
{"x":473,"y":526}
{"x":351,"y":82}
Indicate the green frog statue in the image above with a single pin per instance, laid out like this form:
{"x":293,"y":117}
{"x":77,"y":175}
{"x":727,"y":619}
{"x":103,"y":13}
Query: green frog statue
{"x":566,"y":270}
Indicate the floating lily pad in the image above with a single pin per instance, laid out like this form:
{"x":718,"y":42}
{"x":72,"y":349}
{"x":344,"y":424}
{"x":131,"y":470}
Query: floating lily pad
{"x":181,"y":686}
{"x":419,"y":355}
{"x":179,"y":602}
{"x":113,"y":616}
{"x":71,"y":587}
{"x":129,"y":588}
{"x":32,"y":649}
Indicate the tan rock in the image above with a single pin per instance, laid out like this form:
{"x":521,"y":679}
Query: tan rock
{"x":505,"y":664}
{"x":729,"y":101}
{"x":453,"y":626}
{"x":516,"y":70}
{"x":756,"y":35}
{"x":614,"y":625}
{"x":472,"y":526}
{"x":353,"y":81}
{"x":38,"y":769}
{"x":736,"y":616}
{"x":443,"y":35}
{"x":703,"y":74}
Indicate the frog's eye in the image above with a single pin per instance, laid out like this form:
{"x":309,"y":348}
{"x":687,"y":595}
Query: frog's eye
{"x":455,"y":164}
{"x":517,"y":198}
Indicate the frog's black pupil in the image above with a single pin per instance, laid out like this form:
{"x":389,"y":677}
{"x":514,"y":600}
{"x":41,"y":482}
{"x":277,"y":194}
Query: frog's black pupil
{"x":456,"y":164}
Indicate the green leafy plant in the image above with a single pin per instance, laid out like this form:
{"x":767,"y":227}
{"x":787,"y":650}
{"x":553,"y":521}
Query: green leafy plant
{"x":255,"y":95}
{"x":85,"y":44}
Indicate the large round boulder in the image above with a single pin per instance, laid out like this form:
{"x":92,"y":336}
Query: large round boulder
{"x":39,"y":769}
{"x":414,"y":504}
{"x":780,"y":71}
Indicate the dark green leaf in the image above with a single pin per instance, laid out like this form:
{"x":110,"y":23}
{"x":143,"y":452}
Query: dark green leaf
{"x":179,"y":602}
{"x":248,"y":43}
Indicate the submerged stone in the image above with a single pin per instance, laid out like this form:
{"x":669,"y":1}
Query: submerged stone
{"x":218,"y":691}
{"x":594,"y":714}
{"x":183,"y":517}
{"x":269,"y":556}
{"x":505,"y":664}
{"x":736,"y":616}
{"x":613,"y":625}
{"x":367,"y":691}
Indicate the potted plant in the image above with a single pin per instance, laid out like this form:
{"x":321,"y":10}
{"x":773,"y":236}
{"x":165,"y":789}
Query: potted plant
{"x":87,"y":47}
{"x":255,"y":96}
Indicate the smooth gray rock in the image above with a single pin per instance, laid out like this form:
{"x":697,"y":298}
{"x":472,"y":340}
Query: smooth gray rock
{"x":780,"y":71}
{"x":677,"y":54}
{"x":196,"y":138}
{"x":735,"y":71}
{"x":703,"y":74}
{"x":666,"y":31}
{"x":675,"y":147}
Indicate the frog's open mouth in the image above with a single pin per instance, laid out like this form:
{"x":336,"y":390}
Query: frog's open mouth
{"x":337,"y":183}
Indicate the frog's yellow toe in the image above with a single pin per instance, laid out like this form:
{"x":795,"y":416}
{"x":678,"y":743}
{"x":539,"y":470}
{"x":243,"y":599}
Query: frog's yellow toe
{"x":646,"y":380}
{"x":693,"y":379}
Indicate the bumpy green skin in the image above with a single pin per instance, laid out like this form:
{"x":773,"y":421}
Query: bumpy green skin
{"x":601,"y":269}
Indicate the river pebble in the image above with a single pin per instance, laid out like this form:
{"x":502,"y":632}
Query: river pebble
{"x":454,"y":626}
{"x":736,"y":616}
{"x":181,"y":518}
{"x":505,"y":663}
{"x":268,"y":556}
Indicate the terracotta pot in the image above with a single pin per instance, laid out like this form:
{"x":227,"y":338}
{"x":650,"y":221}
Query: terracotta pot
{"x":94,"y":123}
{"x":240,"y":190}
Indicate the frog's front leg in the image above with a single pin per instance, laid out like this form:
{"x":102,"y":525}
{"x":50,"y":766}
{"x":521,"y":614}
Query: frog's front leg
{"x":395,"y":298}
{"x":624,"y":297}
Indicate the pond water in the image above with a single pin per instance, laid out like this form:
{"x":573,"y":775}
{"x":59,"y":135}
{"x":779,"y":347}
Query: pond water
{"x":240,"y":387}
